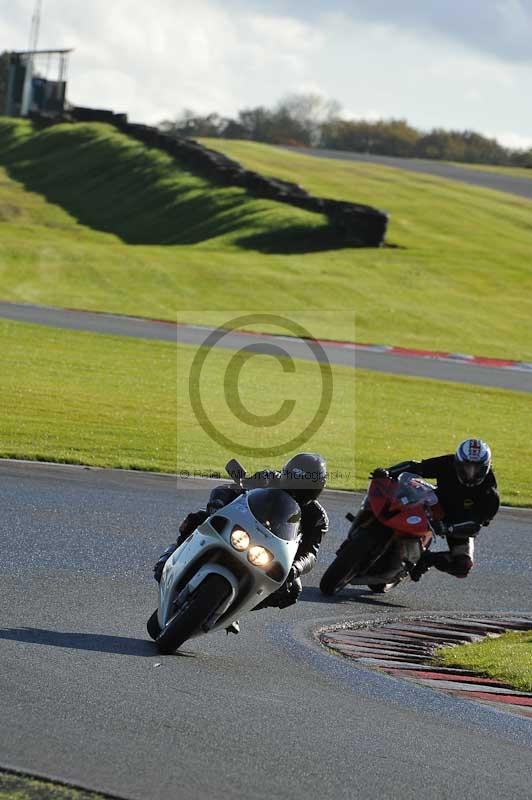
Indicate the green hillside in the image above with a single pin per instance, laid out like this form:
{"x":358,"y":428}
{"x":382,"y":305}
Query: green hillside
{"x":92,"y":219}
{"x":112,"y":183}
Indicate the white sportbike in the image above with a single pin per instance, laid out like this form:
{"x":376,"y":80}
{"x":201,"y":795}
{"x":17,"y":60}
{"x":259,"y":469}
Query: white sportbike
{"x":232,"y":562}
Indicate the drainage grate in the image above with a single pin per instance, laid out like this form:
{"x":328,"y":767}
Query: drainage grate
{"x":405,"y":650}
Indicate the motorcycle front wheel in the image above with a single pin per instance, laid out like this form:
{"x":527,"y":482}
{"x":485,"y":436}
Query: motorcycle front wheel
{"x":354,"y":557}
{"x":338,"y":574}
{"x":196,"y":610}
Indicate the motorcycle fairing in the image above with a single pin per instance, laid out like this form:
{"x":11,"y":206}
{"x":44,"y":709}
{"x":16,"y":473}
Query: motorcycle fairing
{"x":405,"y":505}
{"x":208,"y":540}
{"x":393,"y":564}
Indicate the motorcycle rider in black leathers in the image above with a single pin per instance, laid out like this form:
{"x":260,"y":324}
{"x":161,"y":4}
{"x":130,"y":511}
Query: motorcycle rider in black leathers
{"x":467,"y":491}
{"x":303,"y":477}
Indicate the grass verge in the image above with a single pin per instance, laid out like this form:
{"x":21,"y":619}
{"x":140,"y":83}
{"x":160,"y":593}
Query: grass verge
{"x":506,"y":658}
{"x":114,"y":402}
{"x":23,"y":787}
{"x":123,"y":230}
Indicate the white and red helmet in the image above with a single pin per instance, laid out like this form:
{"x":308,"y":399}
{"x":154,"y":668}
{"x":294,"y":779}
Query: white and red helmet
{"x":472,"y":461}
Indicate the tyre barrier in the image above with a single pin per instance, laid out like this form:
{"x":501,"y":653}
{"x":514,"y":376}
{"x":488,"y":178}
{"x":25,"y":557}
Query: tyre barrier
{"x":352,"y":224}
{"x":405,"y":650}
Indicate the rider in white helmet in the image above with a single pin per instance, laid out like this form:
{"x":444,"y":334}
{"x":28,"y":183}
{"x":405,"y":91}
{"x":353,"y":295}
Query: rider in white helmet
{"x":467,"y":491}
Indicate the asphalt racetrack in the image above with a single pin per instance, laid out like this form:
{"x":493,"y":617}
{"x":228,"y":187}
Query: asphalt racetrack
{"x":504,"y":378}
{"x":267,"y":714}
{"x":511,"y":184}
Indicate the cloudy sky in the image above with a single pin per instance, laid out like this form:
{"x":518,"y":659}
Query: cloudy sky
{"x":450,"y":63}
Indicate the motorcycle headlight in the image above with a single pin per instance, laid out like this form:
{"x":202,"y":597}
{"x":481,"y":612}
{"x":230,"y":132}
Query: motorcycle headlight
{"x":239,"y":540}
{"x":259,"y":556}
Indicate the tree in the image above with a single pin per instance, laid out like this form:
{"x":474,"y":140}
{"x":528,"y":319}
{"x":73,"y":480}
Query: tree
{"x":305,"y":114}
{"x":257,"y":123}
{"x":190,"y":124}
{"x":386,"y":137}
{"x":465,"y":146}
{"x":310,"y":119}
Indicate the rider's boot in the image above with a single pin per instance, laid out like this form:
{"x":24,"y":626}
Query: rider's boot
{"x":234,"y":627}
{"x":423,"y":565}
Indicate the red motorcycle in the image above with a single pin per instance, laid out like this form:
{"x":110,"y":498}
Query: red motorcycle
{"x":394,"y":526}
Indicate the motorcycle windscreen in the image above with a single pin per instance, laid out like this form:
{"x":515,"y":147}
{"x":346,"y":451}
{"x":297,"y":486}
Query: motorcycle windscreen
{"x":277,"y":511}
{"x":411,"y":488}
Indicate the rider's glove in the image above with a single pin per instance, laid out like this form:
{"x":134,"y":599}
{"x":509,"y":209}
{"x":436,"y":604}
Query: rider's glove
{"x":163,"y":558}
{"x":380,"y":472}
{"x":213,"y":506}
{"x":468,"y":528}
{"x":191,"y":522}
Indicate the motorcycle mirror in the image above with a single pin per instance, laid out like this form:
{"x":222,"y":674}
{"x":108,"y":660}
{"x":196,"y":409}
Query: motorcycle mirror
{"x":235,"y":470}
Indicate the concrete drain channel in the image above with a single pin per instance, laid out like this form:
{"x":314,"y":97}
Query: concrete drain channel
{"x":405,"y":649}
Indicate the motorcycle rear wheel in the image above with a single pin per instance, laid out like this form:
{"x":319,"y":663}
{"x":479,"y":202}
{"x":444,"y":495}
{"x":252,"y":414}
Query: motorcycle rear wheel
{"x":209,"y":596}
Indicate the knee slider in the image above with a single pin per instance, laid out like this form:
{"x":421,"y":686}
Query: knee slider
{"x":461,"y":566}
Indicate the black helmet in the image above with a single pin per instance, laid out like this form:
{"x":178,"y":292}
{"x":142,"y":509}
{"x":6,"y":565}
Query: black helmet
{"x":472,"y":461}
{"x":304,"y":477}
